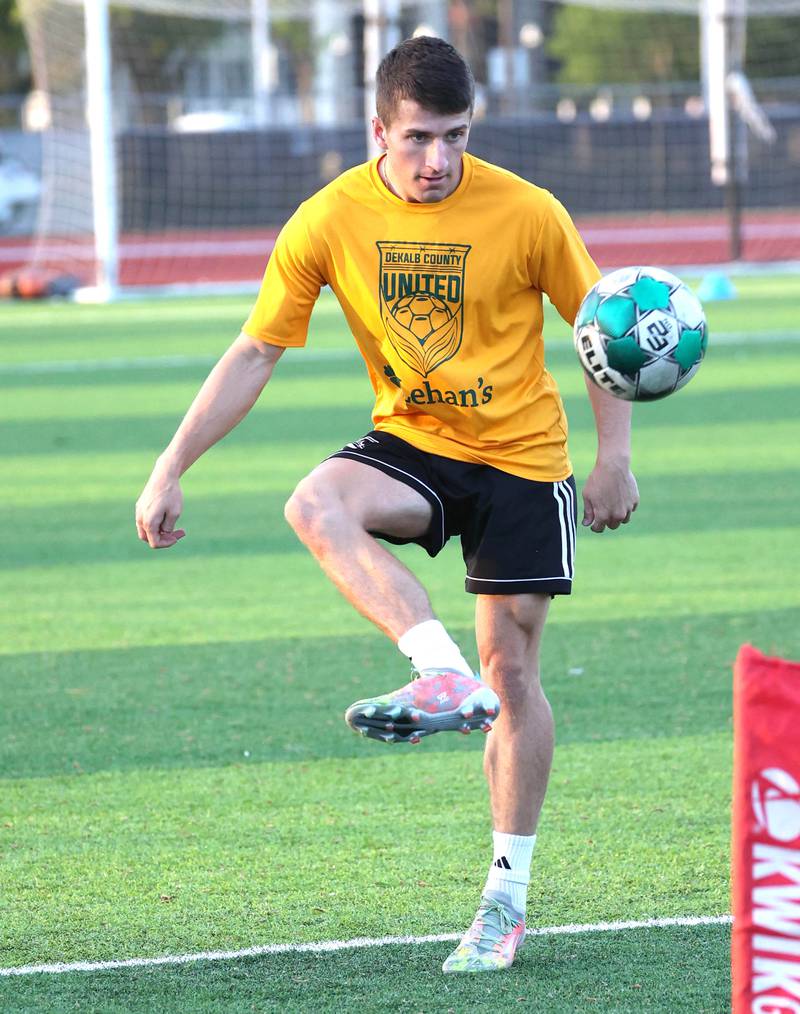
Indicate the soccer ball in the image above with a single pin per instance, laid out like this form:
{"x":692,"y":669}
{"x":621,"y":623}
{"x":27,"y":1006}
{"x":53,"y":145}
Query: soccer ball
{"x":421,"y":314}
{"x":640,"y":333}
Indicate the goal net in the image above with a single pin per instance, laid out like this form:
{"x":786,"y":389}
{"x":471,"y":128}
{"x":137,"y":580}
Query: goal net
{"x":179,"y":162}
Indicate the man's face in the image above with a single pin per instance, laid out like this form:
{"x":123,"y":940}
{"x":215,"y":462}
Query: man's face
{"x":423,"y":151}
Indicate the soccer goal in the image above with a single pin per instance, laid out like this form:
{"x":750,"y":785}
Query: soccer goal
{"x":179,"y":135}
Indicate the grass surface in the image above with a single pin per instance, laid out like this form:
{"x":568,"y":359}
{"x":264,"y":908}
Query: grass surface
{"x":181,"y":841}
{"x":174,"y":772}
{"x":672,"y":970}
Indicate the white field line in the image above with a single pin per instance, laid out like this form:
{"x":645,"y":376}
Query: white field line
{"x":355,"y":944}
{"x":692,"y":233}
{"x":308,"y":356}
{"x":149,"y":362}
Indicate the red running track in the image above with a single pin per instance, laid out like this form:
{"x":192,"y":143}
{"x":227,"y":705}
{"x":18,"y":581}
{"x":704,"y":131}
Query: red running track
{"x":240,"y":255}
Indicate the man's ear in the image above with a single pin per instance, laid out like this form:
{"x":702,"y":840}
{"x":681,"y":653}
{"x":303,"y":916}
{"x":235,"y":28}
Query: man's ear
{"x":379,"y":133}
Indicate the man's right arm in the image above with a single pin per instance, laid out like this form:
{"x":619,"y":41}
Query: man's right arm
{"x":228,"y":394}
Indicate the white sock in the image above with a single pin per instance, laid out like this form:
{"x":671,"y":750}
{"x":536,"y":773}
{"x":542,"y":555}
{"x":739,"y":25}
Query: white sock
{"x":429,"y":646}
{"x":510,"y":872}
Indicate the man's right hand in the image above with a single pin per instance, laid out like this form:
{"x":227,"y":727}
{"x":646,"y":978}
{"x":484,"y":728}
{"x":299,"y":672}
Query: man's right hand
{"x":157,"y":510}
{"x":227,"y":395}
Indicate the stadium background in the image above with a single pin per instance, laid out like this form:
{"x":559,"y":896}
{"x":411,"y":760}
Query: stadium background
{"x":602,"y":102}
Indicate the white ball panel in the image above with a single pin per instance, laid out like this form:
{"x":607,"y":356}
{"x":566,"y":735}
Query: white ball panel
{"x":658,"y":332}
{"x":688,"y":376}
{"x":687,"y":308}
{"x":658,"y":377}
{"x":590,"y":346}
{"x":616,"y":280}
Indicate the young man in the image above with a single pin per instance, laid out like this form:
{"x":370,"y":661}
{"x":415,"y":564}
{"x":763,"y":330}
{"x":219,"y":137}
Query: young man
{"x":439,"y":261}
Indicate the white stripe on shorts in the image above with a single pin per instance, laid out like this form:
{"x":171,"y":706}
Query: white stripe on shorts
{"x":571,"y":516}
{"x":563,"y":495}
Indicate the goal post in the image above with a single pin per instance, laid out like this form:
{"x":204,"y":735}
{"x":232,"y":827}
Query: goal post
{"x":102,"y":152}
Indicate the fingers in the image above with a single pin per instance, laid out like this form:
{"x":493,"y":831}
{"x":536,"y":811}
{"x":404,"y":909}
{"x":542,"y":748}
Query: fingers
{"x":159,"y":533}
{"x":599,"y":521}
{"x":609,"y":499}
{"x":160,"y":539}
{"x":167,"y":539}
{"x":157,"y":511}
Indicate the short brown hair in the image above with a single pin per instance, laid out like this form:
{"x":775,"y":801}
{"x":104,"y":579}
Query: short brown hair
{"x":428,"y":71}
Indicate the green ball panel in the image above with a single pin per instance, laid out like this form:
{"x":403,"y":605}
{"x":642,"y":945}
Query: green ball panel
{"x":616,"y":315}
{"x":588,"y":309}
{"x":650,"y":294}
{"x":625,"y":356}
{"x":689,"y":349}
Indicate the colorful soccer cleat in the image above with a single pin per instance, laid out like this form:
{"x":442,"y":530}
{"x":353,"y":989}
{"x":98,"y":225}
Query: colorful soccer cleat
{"x":492,"y":941}
{"x":436,"y":700}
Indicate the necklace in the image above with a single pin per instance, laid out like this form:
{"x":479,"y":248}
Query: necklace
{"x":383,"y":172}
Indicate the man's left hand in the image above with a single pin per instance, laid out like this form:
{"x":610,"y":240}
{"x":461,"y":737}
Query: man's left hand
{"x":610,"y":496}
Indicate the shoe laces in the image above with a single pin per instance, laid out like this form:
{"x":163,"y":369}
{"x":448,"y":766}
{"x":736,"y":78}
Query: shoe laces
{"x":496,"y":923}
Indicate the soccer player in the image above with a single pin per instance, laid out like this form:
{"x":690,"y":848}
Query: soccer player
{"x":439,"y":261}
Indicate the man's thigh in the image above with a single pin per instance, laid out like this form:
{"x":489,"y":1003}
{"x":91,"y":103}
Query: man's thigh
{"x":395,"y":508}
{"x":379,"y":502}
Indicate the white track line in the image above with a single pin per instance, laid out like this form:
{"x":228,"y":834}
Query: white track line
{"x":308,"y":356}
{"x":155,"y":249}
{"x":354,"y":944}
{"x":148,"y":363}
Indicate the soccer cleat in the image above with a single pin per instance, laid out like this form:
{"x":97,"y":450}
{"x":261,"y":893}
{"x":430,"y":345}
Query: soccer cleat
{"x":492,"y":941}
{"x":436,"y":700}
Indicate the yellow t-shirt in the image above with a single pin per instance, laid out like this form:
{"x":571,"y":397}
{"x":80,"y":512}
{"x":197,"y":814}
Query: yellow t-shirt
{"x":445,"y":303}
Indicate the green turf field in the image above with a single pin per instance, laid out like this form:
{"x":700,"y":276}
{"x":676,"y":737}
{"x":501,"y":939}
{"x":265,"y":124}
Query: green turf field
{"x":176,"y":776}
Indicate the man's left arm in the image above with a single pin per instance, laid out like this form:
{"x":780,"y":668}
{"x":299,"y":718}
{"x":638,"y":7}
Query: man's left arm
{"x":610,"y":493}
{"x":560,"y":265}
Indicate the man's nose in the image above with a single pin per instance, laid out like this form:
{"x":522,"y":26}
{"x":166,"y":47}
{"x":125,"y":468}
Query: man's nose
{"x":436,"y":155}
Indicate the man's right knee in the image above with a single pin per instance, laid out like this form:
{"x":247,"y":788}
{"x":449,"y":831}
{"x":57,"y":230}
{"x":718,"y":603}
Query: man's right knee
{"x":340,"y":491}
{"x":311,"y":508}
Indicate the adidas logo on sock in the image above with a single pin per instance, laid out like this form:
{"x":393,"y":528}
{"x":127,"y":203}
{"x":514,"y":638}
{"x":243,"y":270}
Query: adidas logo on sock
{"x":502,"y":863}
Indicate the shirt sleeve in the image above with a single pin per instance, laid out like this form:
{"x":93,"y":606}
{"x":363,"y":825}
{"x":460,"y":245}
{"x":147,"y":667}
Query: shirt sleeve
{"x":289,"y":289}
{"x":560,"y":264}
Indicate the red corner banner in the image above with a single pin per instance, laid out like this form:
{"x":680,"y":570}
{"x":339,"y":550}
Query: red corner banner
{"x":765,"y":952}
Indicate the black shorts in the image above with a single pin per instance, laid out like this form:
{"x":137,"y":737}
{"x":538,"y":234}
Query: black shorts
{"x":517,"y":535}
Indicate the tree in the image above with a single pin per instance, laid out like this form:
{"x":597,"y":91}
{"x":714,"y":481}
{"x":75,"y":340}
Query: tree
{"x":165,"y":45}
{"x":14,"y":69}
{"x":772,"y":49}
{"x":614,"y":47}
{"x":593,"y":46}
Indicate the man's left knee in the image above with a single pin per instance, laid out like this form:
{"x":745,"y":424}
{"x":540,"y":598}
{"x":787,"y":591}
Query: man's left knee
{"x":509,"y":643}
{"x":513,"y":676}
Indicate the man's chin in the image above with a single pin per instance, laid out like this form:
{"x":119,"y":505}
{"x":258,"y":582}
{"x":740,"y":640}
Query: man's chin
{"x":431,"y":192}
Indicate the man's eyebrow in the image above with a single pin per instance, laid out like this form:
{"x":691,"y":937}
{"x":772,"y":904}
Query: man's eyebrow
{"x":428,"y":133}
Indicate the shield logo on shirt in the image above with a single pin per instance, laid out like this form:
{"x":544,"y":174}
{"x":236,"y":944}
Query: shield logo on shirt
{"x":422,"y":301}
